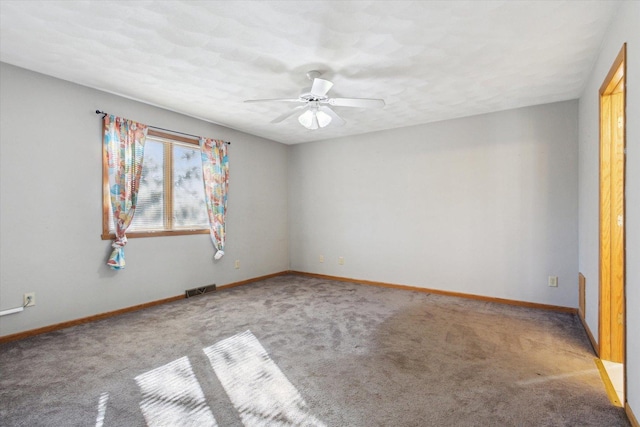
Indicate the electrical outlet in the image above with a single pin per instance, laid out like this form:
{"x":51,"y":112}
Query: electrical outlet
{"x":237,"y":264}
{"x":29,"y":299}
{"x":341,"y":260}
{"x":553,"y":281}
{"x":321,"y":258}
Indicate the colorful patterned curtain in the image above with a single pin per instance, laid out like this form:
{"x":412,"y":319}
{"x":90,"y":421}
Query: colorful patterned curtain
{"x":215,"y":173}
{"x":124,"y":148}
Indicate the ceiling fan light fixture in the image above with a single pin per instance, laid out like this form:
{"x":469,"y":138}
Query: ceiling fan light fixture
{"x":323,"y":118}
{"x":312,"y":119}
{"x":306,"y":119}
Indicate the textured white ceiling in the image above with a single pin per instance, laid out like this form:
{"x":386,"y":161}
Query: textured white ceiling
{"x":429,"y":60}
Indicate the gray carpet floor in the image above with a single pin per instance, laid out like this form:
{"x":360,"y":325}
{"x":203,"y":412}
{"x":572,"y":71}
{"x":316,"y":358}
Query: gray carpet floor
{"x":295,"y":350}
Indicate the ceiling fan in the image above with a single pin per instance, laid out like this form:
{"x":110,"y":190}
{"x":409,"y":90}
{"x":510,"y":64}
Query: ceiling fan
{"x":315,"y":111}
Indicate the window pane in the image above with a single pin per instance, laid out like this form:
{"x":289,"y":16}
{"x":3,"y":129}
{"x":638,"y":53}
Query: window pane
{"x":157,"y":210}
{"x":189,"y":210}
{"x":149,"y":212}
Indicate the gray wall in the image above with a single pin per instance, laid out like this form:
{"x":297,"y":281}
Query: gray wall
{"x":50,"y":217}
{"x":485,"y":205}
{"x":623,"y":29}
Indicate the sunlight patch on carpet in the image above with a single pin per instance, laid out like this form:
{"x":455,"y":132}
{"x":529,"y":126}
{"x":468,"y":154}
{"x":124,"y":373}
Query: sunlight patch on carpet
{"x":259,"y":391}
{"x":102,"y":409}
{"x":171,"y":396}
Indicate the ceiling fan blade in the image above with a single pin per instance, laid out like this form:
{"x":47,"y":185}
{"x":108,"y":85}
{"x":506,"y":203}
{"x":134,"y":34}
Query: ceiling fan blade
{"x":356,"y":102}
{"x":335,"y":119}
{"x":276,"y":99}
{"x":320,"y":87}
{"x":288,"y":114}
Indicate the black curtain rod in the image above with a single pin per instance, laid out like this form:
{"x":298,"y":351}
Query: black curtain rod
{"x":156,"y":127}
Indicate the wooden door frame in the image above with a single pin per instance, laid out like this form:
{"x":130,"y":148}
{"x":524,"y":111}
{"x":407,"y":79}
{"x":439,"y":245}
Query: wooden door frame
{"x":611,"y":336}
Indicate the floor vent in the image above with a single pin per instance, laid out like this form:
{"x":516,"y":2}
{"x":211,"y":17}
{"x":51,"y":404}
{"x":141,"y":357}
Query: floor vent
{"x":199,"y":291}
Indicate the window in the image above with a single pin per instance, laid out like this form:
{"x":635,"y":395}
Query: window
{"x":171,"y":197}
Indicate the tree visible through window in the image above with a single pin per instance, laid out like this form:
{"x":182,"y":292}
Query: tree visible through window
{"x":171,"y":197}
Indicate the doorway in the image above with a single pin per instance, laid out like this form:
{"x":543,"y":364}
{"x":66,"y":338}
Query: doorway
{"x":612,"y":322}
